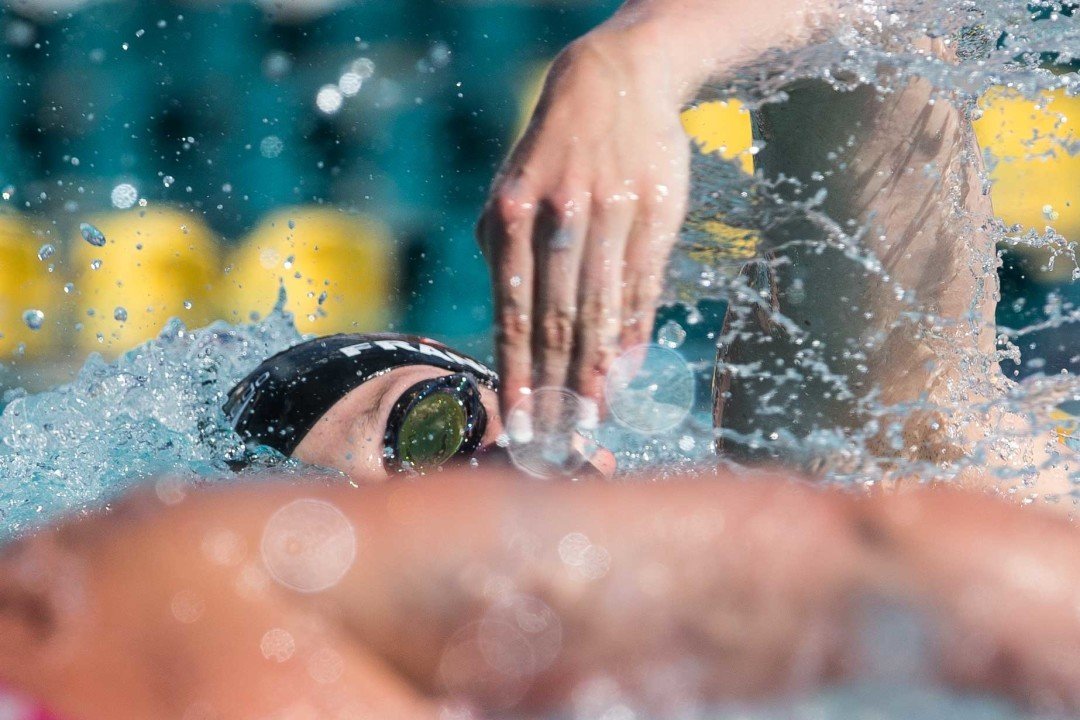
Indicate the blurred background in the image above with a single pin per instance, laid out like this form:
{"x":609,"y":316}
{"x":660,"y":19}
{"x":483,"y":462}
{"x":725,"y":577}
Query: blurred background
{"x":172,"y":158}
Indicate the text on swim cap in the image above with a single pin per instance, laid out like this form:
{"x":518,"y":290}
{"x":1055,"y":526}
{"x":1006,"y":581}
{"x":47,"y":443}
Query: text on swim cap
{"x":417,"y":349}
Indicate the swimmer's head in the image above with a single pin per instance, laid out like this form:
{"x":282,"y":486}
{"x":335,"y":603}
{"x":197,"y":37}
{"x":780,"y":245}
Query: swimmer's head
{"x":372,"y":405}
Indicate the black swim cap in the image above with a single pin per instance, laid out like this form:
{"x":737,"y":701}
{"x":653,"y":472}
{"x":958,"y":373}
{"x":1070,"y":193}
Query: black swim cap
{"x":282,"y":399}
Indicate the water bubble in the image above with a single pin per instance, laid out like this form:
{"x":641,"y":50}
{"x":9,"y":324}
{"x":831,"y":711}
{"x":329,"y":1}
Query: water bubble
{"x":120,"y":314}
{"x":363,"y":68}
{"x":308,"y":545}
{"x":490,"y":662}
{"x":350,"y":83}
{"x":325,"y":666}
{"x":33,"y":319}
{"x":554,"y":443}
{"x":271,"y":146}
{"x":515,"y":281}
{"x":124,"y":196}
{"x":329,"y":99}
{"x":168,"y":180}
{"x":223,"y":547}
{"x":187,"y":607}
{"x":586,"y":560}
{"x":277,"y":645}
{"x":20,"y":33}
{"x":69,"y":288}
{"x":650,"y":389}
{"x":92,"y":235}
{"x":276,"y":65}
{"x":46,"y":251}
{"x":439,"y":55}
{"x":671,"y":335}
{"x":95,"y":264}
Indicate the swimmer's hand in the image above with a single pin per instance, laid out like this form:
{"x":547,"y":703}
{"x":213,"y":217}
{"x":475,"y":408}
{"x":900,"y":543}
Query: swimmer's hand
{"x":585,"y":211}
{"x":582,"y":217}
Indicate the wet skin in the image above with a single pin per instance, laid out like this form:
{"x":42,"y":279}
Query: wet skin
{"x":166,"y":607}
{"x":349,"y":437}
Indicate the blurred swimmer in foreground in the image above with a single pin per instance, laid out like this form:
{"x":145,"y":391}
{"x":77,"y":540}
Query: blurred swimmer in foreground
{"x":475,"y":594}
{"x":373,"y":405}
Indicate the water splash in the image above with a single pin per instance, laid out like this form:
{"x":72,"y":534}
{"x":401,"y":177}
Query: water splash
{"x":155,"y":410}
{"x":814,"y":372}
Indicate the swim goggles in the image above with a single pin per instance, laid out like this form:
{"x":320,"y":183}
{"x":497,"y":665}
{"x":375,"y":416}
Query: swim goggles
{"x":434,"y":421}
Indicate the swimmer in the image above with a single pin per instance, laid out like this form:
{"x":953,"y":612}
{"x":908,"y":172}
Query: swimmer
{"x":584,"y":213}
{"x":374,"y":405}
{"x":477,"y":594}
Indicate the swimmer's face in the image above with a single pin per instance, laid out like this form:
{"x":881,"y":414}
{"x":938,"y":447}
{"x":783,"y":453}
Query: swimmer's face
{"x":350,"y":436}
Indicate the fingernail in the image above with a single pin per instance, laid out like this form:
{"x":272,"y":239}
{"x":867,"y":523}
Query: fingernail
{"x":589,"y":418}
{"x":519,"y":427}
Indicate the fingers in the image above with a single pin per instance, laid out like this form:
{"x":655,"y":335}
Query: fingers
{"x":559,"y":240}
{"x":558,"y":245}
{"x":596,"y":339}
{"x":505,"y":233}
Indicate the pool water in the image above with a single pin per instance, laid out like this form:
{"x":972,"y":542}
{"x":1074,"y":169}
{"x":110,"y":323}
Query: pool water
{"x":156,"y":410}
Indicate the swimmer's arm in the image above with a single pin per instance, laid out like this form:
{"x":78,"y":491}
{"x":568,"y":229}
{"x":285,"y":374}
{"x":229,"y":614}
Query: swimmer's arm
{"x":756,"y":586}
{"x":697,"y":40}
{"x":763,"y":587}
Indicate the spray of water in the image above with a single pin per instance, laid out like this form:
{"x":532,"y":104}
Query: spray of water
{"x":154,"y":411}
{"x":860,"y":344}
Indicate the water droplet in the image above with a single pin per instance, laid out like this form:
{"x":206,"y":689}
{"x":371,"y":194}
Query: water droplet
{"x":34,"y":319}
{"x":271,"y":146}
{"x":308,"y":545}
{"x":187,"y":607}
{"x":363,"y":67}
{"x":292,"y":224}
{"x":325,"y":666}
{"x":92,"y":235}
{"x":168,"y":180}
{"x":120,"y":314}
{"x":277,"y":645}
{"x":95,"y":264}
{"x":650,"y":389}
{"x":671,"y":335}
{"x":515,"y":281}
{"x":350,"y":83}
{"x":276,"y":65}
{"x":69,"y":288}
{"x":329,"y":99}
{"x":547,"y":448}
{"x":124,"y":196}
{"x":439,"y":55}
{"x":46,"y":251}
